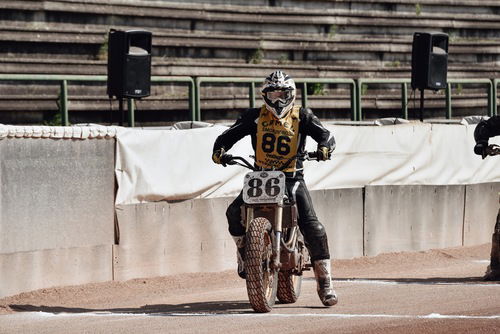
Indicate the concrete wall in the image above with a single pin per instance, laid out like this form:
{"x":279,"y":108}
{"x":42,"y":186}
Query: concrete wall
{"x":56,"y":212}
{"x":413,"y":218}
{"x":481,"y":208}
{"x":191,"y":236}
{"x":57,"y":220}
{"x":341,"y":212}
{"x":168,"y":238}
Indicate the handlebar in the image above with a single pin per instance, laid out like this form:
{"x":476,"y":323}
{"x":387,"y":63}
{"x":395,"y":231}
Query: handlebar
{"x":492,"y":149}
{"x":228,"y":159}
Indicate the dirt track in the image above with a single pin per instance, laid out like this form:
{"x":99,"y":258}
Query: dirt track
{"x":436,"y":291}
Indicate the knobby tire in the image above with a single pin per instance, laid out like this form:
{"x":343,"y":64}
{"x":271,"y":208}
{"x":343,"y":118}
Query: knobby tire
{"x":261,"y":280}
{"x":289,"y":286}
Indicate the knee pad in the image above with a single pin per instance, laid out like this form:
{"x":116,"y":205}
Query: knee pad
{"x":313,"y":229}
{"x":233,"y":214}
{"x":316,"y":240}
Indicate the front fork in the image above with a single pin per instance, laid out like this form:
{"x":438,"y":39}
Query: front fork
{"x":278,"y":220}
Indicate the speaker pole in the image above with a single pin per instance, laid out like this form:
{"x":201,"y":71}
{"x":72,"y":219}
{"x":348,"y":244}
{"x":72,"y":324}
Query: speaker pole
{"x":421,"y":105}
{"x":120,"y":110}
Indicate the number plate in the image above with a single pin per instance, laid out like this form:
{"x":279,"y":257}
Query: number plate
{"x":264,"y":187}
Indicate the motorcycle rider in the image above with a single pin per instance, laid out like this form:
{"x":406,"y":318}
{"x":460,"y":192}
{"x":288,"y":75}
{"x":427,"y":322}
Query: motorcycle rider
{"x":484,"y":130}
{"x":278,"y":132}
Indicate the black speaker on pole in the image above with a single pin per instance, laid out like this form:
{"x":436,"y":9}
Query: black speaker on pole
{"x":129,"y":63}
{"x":429,"y":61}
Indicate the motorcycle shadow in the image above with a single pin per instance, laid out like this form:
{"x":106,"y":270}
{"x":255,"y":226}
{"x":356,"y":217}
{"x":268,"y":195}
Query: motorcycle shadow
{"x":424,"y":281}
{"x":194,"y":309}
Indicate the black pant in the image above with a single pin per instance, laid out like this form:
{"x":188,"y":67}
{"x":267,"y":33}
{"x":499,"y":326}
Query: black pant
{"x":313,"y":231}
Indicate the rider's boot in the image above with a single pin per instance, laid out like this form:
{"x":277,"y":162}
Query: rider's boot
{"x":240,"y":242}
{"x":322,"y":272}
{"x":493,"y":271}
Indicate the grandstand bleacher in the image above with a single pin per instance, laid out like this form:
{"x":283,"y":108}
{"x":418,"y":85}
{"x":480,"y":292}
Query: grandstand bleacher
{"x":309,"y":39}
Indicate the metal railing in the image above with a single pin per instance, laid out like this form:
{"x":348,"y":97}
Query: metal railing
{"x":491,"y":95}
{"x":490,"y":84}
{"x":404,"y":94}
{"x":494,"y":94}
{"x":301,"y":83}
{"x":64,"y":80}
{"x":195,"y":85}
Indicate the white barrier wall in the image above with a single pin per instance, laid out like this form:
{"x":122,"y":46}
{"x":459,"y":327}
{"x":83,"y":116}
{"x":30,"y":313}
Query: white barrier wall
{"x":155,"y":165}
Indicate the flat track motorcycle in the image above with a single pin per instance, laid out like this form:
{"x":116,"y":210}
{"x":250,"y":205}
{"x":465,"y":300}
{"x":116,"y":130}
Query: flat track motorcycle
{"x":275,"y":252}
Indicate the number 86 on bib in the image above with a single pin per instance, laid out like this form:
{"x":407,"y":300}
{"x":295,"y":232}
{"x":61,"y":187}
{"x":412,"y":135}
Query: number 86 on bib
{"x":264,"y":187}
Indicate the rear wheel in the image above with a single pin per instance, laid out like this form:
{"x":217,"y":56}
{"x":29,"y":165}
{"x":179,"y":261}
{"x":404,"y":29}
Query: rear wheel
{"x":261,"y":279}
{"x":289,"y":286}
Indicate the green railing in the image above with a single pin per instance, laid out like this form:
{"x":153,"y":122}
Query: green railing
{"x":64,"y":80}
{"x":301,"y":83}
{"x":404,"y":94}
{"x":195,"y":86}
{"x":494,"y":92}
{"x":491,"y":95}
{"x":489,"y":83}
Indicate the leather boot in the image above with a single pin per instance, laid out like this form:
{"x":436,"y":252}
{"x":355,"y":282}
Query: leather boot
{"x":322,"y":272}
{"x":240,"y":242}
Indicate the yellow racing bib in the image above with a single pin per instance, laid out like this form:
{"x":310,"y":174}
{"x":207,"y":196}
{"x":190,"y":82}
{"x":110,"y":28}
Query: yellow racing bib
{"x":277,"y":139}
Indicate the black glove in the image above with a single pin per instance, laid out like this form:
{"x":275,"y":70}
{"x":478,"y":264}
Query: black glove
{"x":324,"y":153}
{"x":220,"y":157}
{"x":217,"y":155}
{"x":480,"y":148}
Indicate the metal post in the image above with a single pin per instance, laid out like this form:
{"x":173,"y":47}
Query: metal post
{"x":131,"y":112}
{"x":358,"y":99}
{"x":63,"y":105}
{"x":404,"y":99}
{"x":197,"y":99}
{"x":192,"y":101}
{"x":421,"y":105}
{"x":448,"y":100}
{"x":353,"y":102}
{"x":120,"y":111}
{"x":251,"y":94}
{"x":490,"y":99}
{"x":494,"y":91}
{"x":304,"y":95}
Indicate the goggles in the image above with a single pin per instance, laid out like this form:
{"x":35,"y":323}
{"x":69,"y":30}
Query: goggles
{"x":282,"y":95}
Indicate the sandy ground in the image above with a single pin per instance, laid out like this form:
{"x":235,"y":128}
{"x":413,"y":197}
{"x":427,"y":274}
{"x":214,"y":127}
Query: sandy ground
{"x":436,"y":291}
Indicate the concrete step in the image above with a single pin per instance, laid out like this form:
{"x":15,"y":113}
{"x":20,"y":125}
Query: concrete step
{"x":234,"y":67}
{"x":245,"y":19}
{"x":474,"y":7}
{"x":75,"y":34}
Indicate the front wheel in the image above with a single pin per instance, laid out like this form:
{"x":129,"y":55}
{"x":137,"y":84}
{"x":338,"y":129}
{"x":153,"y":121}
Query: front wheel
{"x":261,"y":279}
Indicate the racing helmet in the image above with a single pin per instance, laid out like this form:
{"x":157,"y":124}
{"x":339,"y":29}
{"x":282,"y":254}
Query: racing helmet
{"x":279,"y":93}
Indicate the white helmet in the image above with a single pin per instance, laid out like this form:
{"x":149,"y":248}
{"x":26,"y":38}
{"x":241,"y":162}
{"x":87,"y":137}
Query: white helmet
{"x":279,"y":93}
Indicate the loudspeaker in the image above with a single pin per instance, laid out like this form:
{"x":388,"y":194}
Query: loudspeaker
{"x":129,"y":63}
{"x":429,"y":61}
